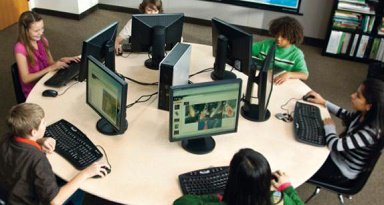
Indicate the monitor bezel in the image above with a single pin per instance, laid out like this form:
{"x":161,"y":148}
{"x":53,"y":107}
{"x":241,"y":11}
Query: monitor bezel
{"x":89,"y":45}
{"x":119,"y":127}
{"x":198,"y":85}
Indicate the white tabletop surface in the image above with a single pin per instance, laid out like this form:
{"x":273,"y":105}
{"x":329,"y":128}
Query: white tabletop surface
{"x":145,"y":165}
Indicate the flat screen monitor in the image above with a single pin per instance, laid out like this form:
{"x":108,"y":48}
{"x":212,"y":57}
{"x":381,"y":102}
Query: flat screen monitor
{"x":101,"y":47}
{"x":259,"y":112}
{"x":107,"y":95}
{"x":156,"y":33}
{"x":199,"y":111}
{"x":231,"y":46}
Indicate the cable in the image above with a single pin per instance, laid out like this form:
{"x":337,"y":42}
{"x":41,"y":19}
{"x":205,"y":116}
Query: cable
{"x":138,"y":82}
{"x":138,"y":100}
{"x":286,"y":103}
{"x":68,"y":88}
{"x":202,"y":71}
{"x":106,"y":156}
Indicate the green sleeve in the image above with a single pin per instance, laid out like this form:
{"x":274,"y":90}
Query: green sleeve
{"x":198,"y":200}
{"x":301,"y":65}
{"x":256,"y":48}
{"x":291,"y":197}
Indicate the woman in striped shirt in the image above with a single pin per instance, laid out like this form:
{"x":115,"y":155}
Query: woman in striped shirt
{"x":363,"y":137}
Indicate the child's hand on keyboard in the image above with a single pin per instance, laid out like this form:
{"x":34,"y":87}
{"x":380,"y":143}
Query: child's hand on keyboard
{"x":282,"y":180}
{"x":328,"y":121}
{"x":48,"y":144}
{"x":68,"y":60}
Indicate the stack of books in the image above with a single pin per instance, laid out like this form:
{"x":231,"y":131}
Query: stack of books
{"x":346,"y":20}
{"x":355,"y":5}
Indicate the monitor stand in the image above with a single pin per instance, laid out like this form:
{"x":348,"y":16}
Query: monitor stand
{"x":219,"y":72}
{"x":104,"y":127}
{"x":251,"y":112}
{"x":158,"y":48}
{"x":202,"y":145}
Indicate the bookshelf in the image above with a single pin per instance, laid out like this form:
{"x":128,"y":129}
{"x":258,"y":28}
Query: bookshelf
{"x":356,"y":31}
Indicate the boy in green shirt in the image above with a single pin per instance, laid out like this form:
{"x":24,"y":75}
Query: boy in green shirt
{"x":287,"y":32}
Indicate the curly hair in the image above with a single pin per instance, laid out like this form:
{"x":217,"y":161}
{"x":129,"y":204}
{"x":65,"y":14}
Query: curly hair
{"x":288,"y":28}
{"x":157,"y":3}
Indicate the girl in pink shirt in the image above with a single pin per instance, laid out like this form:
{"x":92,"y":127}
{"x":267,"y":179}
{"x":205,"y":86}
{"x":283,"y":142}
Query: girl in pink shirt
{"x":32,"y":53}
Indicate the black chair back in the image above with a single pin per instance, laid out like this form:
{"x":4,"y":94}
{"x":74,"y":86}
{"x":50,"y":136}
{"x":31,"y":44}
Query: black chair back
{"x":20,"y":98}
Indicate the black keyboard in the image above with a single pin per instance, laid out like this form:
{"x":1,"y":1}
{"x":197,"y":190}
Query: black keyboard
{"x":63,"y":76}
{"x":309,"y":127}
{"x":72,"y":144}
{"x":204,"y":181}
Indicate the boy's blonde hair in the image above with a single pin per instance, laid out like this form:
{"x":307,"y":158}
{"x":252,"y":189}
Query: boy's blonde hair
{"x":23,"y":118}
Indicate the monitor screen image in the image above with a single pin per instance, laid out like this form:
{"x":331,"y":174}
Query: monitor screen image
{"x":199,"y":111}
{"x":156,"y":33}
{"x":231,"y":46}
{"x":107,"y":95}
{"x":259,"y":112}
{"x":101,"y":47}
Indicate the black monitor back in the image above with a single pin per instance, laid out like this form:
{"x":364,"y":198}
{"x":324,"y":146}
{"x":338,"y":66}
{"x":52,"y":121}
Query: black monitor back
{"x":101,"y":47}
{"x":142,"y":29}
{"x":239,"y":48}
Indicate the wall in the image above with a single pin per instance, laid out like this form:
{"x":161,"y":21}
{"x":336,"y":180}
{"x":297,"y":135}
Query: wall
{"x":68,"y":6}
{"x":314,"y":19}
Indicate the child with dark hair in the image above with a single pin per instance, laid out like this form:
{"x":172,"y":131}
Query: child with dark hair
{"x":146,"y":7}
{"x":288,"y":33}
{"x":249,"y":183}
{"x":26,"y":175}
{"x":363,"y":137}
{"x":32,"y":53}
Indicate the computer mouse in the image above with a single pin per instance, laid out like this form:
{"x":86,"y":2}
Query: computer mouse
{"x":306,"y":97}
{"x":49,"y":93}
{"x":103,"y":167}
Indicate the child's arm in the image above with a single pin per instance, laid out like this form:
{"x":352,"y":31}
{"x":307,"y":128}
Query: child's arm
{"x":280,"y":79}
{"x":68,"y":189}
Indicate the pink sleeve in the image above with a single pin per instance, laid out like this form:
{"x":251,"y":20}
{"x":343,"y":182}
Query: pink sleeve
{"x":20,"y":48}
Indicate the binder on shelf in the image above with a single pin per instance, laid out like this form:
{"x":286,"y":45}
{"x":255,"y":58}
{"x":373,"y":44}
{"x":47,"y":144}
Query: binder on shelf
{"x":354,"y":43}
{"x":334,"y":42}
{"x":362,"y":46}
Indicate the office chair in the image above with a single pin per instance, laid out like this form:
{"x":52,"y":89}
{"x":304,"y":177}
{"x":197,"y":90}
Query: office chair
{"x":20,"y":98}
{"x":350,"y":187}
{"x":376,"y":70}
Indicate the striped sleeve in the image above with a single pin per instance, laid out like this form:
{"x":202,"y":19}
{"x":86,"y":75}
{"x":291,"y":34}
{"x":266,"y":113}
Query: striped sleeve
{"x":364,"y":137}
{"x":341,"y":113}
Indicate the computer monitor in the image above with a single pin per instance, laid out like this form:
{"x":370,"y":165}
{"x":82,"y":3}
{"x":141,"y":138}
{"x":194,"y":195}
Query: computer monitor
{"x":199,"y":111}
{"x":259,"y":112}
{"x":101,"y":47}
{"x":231,"y":46}
{"x":107,"y":94}
{"x":156,"y":33}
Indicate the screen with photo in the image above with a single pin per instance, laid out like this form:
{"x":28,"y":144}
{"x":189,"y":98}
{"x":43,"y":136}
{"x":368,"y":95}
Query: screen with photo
{"x":204,"y":109}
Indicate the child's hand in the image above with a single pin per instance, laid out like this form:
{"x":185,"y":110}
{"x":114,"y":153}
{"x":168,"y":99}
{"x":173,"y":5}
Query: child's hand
{"x":96,"y":169}
{"x":68,"y":60}
{"x":328,"y":121}
{"x":280,"y":79}
{"x":59,"y":65}
{"x":48,"y":144}
{"x":282,"y":178}
{"x":315,"y":98}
